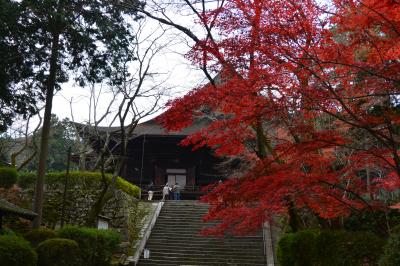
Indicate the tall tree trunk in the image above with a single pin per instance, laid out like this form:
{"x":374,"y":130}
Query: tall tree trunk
{"x":104,"y":196}
{"x":44,"y":143}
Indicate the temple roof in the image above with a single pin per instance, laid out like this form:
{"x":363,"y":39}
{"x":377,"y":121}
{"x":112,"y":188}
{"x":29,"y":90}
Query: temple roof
{"x":152,"y":127}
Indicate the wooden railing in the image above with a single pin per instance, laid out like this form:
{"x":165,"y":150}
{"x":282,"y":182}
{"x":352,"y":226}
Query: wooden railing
{"x":189,"y":192}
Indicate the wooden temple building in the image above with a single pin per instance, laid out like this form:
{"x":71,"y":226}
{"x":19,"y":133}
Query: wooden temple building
{"x":155,"y":155}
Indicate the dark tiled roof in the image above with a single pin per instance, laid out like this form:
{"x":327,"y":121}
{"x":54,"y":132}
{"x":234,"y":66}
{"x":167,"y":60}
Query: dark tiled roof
{"x":152,"y":127}
{"x":9,"y":208}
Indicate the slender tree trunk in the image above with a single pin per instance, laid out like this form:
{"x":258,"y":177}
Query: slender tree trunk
{"x":44,"y":143}
{"x":104,"y":196}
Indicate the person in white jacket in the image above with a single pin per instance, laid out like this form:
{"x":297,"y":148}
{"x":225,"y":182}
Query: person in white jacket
{"x":165,"y":192}
{"x":150,"y":191}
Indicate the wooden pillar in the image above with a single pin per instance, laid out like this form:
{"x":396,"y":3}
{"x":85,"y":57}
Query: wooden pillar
{"x":1,"y":223}
{"x":191,"y":176}
{"x":159,"y":176}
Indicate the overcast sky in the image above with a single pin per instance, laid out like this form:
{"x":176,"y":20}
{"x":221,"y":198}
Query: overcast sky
{"x":182,"y":76}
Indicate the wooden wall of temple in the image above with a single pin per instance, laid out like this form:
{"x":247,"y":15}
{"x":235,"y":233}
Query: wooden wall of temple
{"x":150,"y":156}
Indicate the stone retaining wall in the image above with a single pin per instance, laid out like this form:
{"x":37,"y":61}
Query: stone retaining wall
{"x":79,"y":201}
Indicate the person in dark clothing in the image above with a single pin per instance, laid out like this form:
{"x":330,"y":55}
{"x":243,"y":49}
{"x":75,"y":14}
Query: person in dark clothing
{"x":177,"y":191}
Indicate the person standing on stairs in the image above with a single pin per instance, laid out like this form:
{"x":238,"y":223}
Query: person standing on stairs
{"x":177,"y":191}
{"x":165,"y":192}
{"x":171,"y":193}
{"x":150,"y":191}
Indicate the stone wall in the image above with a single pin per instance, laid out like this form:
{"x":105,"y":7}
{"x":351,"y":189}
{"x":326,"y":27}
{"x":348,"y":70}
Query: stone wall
{"x":80,"y":198}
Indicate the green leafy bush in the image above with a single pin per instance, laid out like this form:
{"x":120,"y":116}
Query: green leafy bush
{"x":16,"y":251}
{"x":391,"y":251}
{"x":372,"y":221}
{"x":84,"y":178}
{"x":59,"y":252}
{"x":36,"y":236}
{"x":96,"y":246}
{"x":8,"y":177}
{"x":297,"y":248}
{"x":361,"y":248}
{"x":284,"y":250}
{"x":329,"y":248}
{"x":26,"y":179}
{"x":348,"y":248}
{"x":9,"y":232}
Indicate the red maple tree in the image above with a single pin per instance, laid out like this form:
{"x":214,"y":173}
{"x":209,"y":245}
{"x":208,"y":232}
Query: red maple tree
{"x":307,"y":97}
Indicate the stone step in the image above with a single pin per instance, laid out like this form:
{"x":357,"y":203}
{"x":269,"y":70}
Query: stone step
{"x":215,"y":255}
{"x":189,"y":218}
{"x":182,"y":220}
{"x":234,"y":253}
{"x":212,"y":259}
{"x":176,"y":240}
{"x":176,"y":224}
{"x":162,"y":262}
{"x":164,"y":247}
{"x":204,"y":245}
{"x":186,"y":211}
{"x":177,"y":261}
{"x":171,"y":225}
{"x":204,"y":239}
{"x":179,"y":215}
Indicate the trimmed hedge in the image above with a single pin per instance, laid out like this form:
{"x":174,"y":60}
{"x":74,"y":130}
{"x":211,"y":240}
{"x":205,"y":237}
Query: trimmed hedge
{"x":16,"y":251}
{"x":391,"y":252}
{"x":329,"y":248}
{"x":26,"y":180}
{"x":59,"y":252}
{"x":362,"y":248}
{"x":38,"y":235}
{"x":8,"y":177}
{"x":96,"y":246}
{"x":297,"y":248}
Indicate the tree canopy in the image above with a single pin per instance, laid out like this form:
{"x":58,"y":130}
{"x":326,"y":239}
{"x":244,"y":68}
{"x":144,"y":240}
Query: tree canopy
{"x":60,"y":40}
{"x":18,"y":93}
{"x":307,"y":96}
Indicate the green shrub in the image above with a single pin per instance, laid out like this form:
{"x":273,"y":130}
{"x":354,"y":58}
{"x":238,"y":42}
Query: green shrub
{"x":36,"y":236}
{"x":9,"y":232}
{"x":16,"y":251}
{"x":329,"y":248}
{"x":26,"y":179}
{"x":361,"y":248}
{"x":89,"y":179}
{"x":8,"y":177}
{"x":297,"y":248}
{"x":127,"y":187}
{"x":96,"y":246}
{"x":284,"y":250}
{"x":372,"y":221}
{"x":391,"y":251}
{"x":59,"y":252}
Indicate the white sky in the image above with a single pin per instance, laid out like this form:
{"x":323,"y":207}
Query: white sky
{"x":183,"y":76}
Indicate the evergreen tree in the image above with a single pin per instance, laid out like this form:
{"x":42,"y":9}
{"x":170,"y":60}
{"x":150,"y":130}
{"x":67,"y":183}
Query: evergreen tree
{"x":18,"y":91}
{"x":75,"y":38}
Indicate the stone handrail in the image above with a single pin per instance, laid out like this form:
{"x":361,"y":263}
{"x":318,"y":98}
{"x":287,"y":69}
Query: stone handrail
{"x":268,"y":244}
{"x":141,"y":245}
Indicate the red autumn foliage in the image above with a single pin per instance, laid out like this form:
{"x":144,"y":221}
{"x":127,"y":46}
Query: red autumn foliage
{"x":308,"y":96}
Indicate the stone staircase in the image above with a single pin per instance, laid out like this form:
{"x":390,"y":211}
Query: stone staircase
{"x":175,"y":240}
